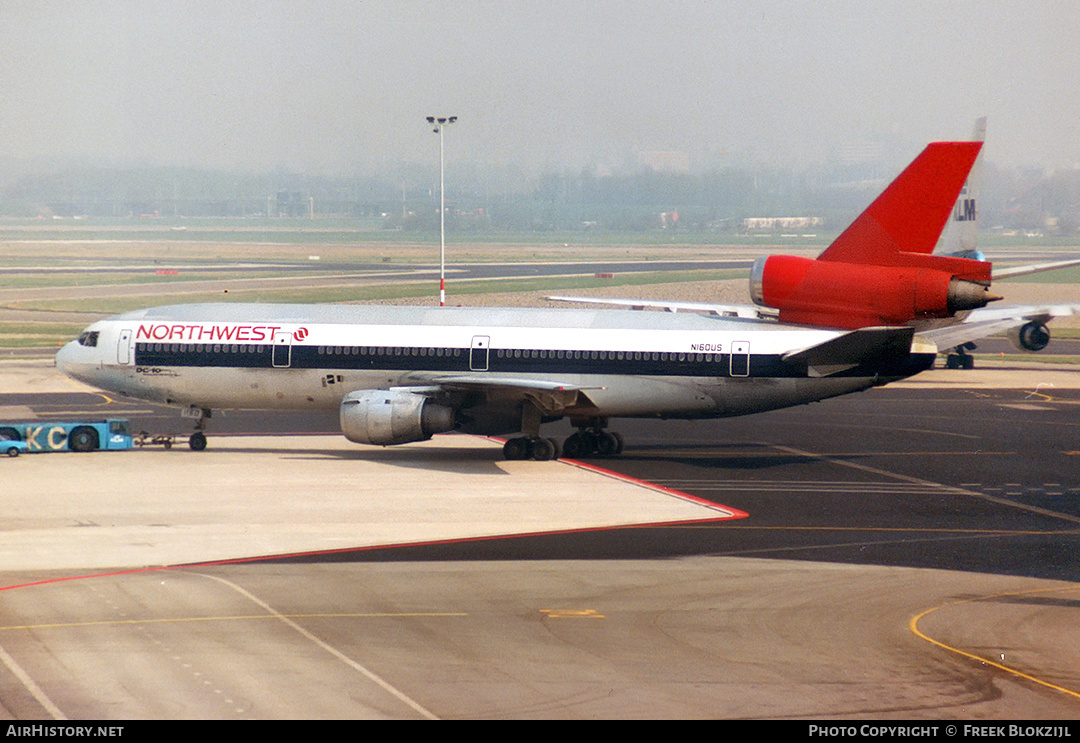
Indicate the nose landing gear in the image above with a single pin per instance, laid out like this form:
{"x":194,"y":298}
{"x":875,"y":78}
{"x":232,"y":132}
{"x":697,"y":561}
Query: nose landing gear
{"x":197,"y":442}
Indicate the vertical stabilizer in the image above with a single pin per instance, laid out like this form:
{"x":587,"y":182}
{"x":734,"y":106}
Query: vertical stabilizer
{"x":910,"y":214}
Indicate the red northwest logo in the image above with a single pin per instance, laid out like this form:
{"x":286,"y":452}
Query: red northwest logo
{"x":300,"y":334}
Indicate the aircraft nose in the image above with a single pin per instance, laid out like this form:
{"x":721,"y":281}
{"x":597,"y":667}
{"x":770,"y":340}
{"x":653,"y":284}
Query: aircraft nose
{"x":63,"y":357}
{"x":67,"y":358}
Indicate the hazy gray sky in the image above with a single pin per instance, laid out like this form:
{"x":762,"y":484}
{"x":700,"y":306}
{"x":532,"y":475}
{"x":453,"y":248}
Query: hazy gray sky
{"x":324,"y":86}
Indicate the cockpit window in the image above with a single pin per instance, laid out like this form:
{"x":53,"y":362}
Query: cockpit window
{"x":89,"y":338}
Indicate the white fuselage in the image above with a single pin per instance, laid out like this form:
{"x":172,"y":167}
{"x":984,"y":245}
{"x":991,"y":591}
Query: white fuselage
{"x":578,"y":363}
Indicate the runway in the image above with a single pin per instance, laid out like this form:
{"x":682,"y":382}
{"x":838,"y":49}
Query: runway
{"x":909,"y":552}
{"x":329,"y":275}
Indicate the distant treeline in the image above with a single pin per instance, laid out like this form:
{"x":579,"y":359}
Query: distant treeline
{"x":502,"y":199}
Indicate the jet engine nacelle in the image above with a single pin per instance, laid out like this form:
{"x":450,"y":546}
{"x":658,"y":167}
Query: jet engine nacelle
{"x":855,"y":295}
{"x":392,"y":417}
{"x":1031,"y":336}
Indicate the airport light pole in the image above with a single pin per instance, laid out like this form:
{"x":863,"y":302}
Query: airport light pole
{"x":440,"y":123}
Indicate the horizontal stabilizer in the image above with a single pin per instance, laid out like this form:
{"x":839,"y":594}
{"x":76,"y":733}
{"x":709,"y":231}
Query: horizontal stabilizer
{"x":866,"y":345}
{"x":1010,"y":271}
{"x":983,"y":323}
{"x":952,"y":336}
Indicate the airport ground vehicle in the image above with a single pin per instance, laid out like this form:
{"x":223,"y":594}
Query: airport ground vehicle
{"x":10,"y":446}
{"x":52,"y":436}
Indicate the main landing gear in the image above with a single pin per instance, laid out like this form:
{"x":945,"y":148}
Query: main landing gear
{"x":960,"y":358}
{"x":594,"y":441}
{"x":531,"y":447}
{"x":591,"y":440}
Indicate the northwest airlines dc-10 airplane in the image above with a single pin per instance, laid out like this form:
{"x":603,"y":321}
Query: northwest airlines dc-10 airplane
{"x":401,"y":374}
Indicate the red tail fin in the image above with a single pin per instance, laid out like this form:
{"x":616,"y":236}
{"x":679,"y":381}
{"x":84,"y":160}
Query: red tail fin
{"x":910,"y":214}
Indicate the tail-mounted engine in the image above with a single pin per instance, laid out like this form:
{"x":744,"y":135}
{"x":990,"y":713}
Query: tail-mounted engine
{"x":854,"y":295}
{"x":392,"y":417}
{"x":881,"y":270}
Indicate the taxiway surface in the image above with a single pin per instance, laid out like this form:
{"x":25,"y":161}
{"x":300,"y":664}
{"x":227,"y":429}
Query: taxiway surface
{"x":910,"y":552}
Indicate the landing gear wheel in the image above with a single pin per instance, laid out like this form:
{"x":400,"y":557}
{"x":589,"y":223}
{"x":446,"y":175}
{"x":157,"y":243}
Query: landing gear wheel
{"x":545,"y":450}
{"x":593,"y":441}
{"x":523,"y":447}
{"x":577,"y":445}
{"x":517,"y":449}
{"x":618,"y":442}
{"x":608,"y":444}
{"x":960,"y":360}
{"x":197,"y":441}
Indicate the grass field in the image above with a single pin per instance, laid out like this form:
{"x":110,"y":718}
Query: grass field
{"x":73,"y":272}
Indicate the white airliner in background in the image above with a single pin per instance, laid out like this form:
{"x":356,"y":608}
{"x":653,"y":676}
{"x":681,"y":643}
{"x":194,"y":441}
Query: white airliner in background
{"x":402,"y":374}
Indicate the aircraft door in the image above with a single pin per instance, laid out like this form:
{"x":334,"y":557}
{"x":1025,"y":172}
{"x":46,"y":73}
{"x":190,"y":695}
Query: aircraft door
{"x":123,"y":348}
{"x":478,"y":353}
{"x":740,"y":359}
{"x":282,"y":350}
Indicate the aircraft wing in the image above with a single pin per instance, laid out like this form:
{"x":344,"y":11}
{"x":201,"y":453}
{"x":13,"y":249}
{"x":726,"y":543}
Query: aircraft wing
{"x":487,"y":381}
{"x":551,"y":396}
{"x":721,"y":310}
{"x":987,"y":321}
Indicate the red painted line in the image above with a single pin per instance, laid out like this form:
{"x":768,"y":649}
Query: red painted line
{"x":735,"y":513}
{"x":731,"y":514}
{"x":66,"y":578}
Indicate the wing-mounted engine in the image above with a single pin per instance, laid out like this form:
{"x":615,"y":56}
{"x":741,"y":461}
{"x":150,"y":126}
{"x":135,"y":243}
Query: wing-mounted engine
{"x":386,"y":417}
{"x":1031,"y":336}
{"x":853,"y":295}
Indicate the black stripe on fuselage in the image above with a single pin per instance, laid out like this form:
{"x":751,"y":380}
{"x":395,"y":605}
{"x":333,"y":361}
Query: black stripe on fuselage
{"x":374,"y":358}
{"x":494,"y":361}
